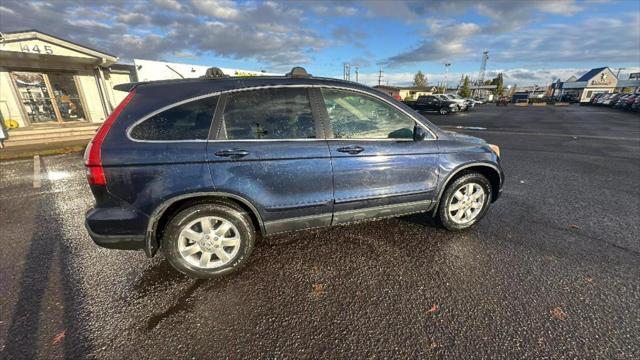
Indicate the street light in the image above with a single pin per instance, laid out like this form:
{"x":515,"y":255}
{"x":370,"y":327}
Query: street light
{"x":446,"y":76}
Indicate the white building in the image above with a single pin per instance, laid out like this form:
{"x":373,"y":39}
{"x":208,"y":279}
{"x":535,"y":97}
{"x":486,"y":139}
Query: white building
{"x":149,"y":70}
{"x":45,"y":80}
{"x":595,"y":81}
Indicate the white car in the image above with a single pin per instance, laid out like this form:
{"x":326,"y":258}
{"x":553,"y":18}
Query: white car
{"x":463,"y":105}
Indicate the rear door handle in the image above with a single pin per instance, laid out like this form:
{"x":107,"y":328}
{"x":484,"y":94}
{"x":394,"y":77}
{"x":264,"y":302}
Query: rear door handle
{"x":351,"y":149}
{"x":232,"y":153}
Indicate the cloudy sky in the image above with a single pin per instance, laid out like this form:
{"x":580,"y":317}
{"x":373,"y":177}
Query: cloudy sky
{"x":531,"y":41}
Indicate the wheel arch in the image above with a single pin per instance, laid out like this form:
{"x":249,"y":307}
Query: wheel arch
{"x":491,"y":171}
{"x":170,"y":207}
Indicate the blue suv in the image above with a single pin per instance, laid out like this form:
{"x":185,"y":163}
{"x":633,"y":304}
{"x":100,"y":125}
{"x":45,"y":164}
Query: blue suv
{"x":200,"y":167}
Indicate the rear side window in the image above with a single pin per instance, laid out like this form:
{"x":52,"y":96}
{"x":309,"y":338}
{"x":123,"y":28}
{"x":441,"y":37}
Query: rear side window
{"x":268,"y":114}
{"x":190,"y":121}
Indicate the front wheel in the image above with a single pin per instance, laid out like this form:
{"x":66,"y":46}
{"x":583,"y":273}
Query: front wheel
{"x":443,"y":111}
{"x":209,"y":240}
{"x":465,"y":202}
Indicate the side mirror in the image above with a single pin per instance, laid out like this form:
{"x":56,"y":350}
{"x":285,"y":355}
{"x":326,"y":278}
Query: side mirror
{"x":419,"y":133}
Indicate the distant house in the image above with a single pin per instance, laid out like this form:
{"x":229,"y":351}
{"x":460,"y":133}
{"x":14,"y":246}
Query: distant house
{"x":392,"y":91}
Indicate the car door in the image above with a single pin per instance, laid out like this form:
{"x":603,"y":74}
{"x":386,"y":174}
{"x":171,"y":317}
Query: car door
{"x":431,"y":103}
{"x":378,"y":167}
{"x":267,"y":147}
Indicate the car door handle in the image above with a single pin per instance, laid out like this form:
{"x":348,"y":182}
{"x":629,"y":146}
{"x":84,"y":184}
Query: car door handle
{"x":232,"y":153}
{"x":351,"y":149}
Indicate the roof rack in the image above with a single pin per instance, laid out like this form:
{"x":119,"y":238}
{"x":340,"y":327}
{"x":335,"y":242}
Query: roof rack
{"x":298,"y":72}
{"x":214,"y":73}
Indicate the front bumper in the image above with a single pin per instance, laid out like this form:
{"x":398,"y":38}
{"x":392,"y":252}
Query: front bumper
{"x":499,"y":193}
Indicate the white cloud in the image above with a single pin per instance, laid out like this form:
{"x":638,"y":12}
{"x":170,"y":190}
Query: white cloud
{"x":169,"y":4}
{"x":6,"y":10}
{"x":345,"y":10}
{"x":223,"y":9}
{"x":89,"y":23}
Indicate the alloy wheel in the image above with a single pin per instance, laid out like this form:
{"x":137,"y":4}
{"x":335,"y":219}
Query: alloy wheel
{"x":209,"y":242}
{"x":466,"y":203}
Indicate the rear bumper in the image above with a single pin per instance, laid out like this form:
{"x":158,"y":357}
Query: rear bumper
{"x":122,"y":242}
{"x":116,"y":228}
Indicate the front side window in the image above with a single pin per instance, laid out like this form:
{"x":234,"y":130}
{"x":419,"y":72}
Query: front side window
{"x":268,"y":114}
{"x":359,"y":116}
{"x":190,"y":121}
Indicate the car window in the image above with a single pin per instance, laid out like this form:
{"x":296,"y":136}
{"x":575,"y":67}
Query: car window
{"x":190,"y":121}
{"x":359,"y":116}
{"x":268,"y":114}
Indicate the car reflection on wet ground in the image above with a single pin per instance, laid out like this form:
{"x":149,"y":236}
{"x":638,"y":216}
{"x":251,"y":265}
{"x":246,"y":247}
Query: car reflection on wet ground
{"x":551,"y":271}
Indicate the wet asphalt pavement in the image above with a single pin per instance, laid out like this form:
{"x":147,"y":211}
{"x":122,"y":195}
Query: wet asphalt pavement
{"x":553,"y":270}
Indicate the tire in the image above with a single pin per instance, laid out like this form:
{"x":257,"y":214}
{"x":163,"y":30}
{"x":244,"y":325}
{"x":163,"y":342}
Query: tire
{"x":449,"y":218}
{"x":443,"y":111}
{"x":228,"y":247}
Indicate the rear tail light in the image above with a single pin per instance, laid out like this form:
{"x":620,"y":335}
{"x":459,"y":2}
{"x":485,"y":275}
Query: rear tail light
{"x":93,"y":153}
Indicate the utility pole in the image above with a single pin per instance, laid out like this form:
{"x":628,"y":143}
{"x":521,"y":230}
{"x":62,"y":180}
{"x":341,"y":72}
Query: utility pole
{"x":446,"y":76}
{"x":380,"y":75}
{"x":346,"y":72}
{"x":483,"y":68}
{"x":357,"y":73}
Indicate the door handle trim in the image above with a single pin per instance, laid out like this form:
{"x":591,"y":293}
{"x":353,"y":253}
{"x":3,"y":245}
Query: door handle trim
{"x":232,"y":153}
{"x":351,"y":149}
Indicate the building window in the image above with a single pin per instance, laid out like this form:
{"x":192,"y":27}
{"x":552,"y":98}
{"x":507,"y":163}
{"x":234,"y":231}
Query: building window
{"x":49,"y":97}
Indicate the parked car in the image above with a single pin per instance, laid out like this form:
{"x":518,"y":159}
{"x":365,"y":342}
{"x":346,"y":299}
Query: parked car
{"x":462,"y":105}
{"x":594,"y":98}
{"x":432,"y":103}
{"x":617,"y":104}
{"x":603,"y":98}
{"x":468,"y":102}
{"x":611,"y":100}
{"x":199,"y":168}
{"x":502,"y":101}
{"x":624,"y":103}
{"x":636,"y":104}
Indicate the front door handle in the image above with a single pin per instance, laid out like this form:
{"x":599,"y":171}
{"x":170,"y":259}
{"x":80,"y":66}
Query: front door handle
{"x":351,"y":149}
{"x":232,"y":153}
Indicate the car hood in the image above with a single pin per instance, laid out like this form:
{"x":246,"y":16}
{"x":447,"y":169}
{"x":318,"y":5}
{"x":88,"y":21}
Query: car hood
{"x":463,"y":137}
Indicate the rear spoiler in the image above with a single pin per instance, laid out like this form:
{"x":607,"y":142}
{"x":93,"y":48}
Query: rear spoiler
{"x":127,"y":86}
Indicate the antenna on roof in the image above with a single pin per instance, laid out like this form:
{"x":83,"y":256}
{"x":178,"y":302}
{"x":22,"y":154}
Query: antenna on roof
{"x":298,"y":72}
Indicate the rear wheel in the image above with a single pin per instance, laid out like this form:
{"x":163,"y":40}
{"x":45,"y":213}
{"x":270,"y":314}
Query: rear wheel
{"x":209,"y":240}
{"x":465,"y":202}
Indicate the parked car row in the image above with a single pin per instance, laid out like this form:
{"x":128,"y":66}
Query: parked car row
{"x":442,"y":103}
{"x":630,"y":102}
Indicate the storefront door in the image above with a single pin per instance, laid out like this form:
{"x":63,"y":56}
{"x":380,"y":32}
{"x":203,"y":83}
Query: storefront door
{"x":48,"y":98}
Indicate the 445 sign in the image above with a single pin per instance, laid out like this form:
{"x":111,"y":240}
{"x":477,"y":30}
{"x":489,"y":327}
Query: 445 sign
{"x":35,"y":48}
